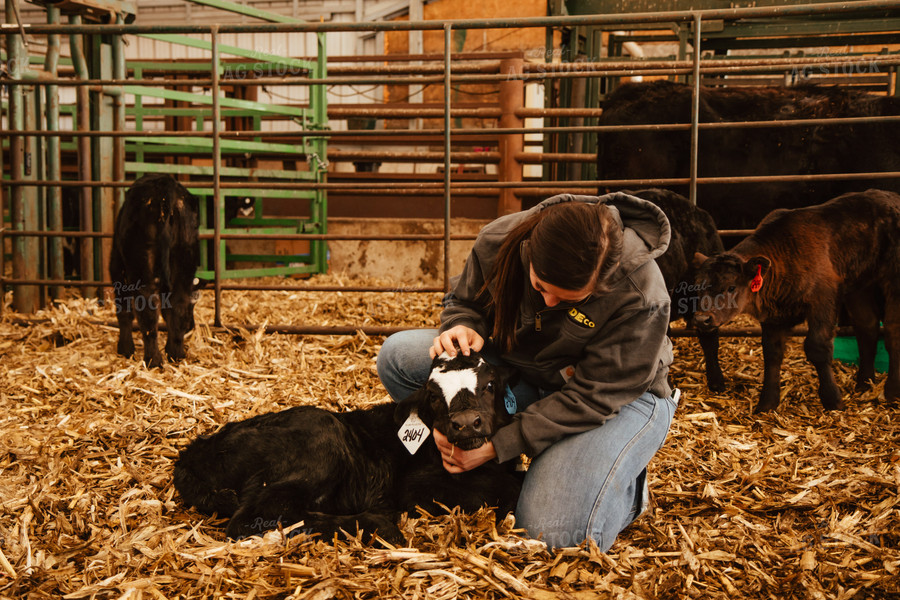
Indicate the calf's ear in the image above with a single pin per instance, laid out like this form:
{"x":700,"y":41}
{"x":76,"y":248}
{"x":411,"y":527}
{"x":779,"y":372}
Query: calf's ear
{"x":506,"y":375}
{"x":419,"y":402}
{"x":699,"y":259}
{"x":757,"y":264}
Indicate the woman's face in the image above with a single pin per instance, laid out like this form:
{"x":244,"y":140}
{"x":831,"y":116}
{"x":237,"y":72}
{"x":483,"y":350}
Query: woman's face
{"x":554,"y":295}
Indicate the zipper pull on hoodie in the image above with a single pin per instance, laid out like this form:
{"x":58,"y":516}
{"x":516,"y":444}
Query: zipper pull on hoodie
{"x":537,"y":321}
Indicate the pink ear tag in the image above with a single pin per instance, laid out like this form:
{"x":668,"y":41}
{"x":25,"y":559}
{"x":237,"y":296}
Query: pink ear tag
{"x":756,"y":284}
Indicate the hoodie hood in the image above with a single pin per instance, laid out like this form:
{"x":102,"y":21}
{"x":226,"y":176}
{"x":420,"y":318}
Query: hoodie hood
{"x":646,"y":229}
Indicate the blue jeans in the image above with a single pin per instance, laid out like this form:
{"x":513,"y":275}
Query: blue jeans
{"x":593,"y":484}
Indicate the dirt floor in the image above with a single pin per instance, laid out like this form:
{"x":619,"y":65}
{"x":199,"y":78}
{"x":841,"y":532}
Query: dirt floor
{"x":795,"y":504}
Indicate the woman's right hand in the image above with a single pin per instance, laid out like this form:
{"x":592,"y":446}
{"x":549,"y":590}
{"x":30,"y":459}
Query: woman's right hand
{"x":465,"y":337}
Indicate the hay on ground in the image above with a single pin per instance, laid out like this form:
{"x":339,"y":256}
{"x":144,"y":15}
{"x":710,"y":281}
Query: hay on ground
{"x":799,"y":503}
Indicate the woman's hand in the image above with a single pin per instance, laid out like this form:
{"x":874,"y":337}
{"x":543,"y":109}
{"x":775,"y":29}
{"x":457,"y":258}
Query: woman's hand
{"x":459,"y":461}
{"x":465,"y":337}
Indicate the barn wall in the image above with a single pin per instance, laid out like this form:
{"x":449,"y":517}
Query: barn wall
{"x":413,"y":263}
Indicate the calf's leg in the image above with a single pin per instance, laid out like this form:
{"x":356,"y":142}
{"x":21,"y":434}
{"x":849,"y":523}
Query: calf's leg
{"x":176,"y":318}
{"x":124,"y":305}
{"x":819,"y":347}
{"x":148,"y":321}
{"x":774,"y":338}
{"x":892,"y":345}
{"x":863,"y":311}
{"x":284,"y":503}
{"x":709,"y":342}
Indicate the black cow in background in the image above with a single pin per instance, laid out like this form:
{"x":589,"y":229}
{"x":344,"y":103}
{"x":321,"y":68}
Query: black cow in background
{"x":787,"y":150}
{"x":693,"y":231}
{"x":361,"y":468}
{"x":154,"y":258}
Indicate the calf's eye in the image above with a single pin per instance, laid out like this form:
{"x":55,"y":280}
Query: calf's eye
{"x":489,"y":387}
{"x":731,"y":289}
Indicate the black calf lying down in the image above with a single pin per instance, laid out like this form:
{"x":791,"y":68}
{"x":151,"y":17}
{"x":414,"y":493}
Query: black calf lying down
{"x":354,"y":469}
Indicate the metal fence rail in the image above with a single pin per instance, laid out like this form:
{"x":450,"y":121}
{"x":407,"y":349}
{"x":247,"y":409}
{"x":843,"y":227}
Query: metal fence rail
{"x":442,"y":71}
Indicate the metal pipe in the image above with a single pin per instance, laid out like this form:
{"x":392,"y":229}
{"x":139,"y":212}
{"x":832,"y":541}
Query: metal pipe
{"x":376,"y":330}
{"x":406,"y":237}
{"x":447,"y":153}
{"x":54,"y":168}
{"x":695,"y":112}
{"x":536,"y":158}
{"x":319,"y":146}
{"x":218,"y":216}
{"x":412,"y":188}
{"x":488,"y":63}
{"x":419,"y":157}
{"x":242,"y":287}
{"x":2,"y":224}
{"x":22,"y":212}
{"x":512,"y":96}
{"x":83,"y":118}
{"x":609,"y":20}
{"x":564,"y":71}
{"x":237,"y":135}
{"x":119,"y":72}
{"x":425,"y":111}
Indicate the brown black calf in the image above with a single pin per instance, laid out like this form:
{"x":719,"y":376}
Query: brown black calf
{"x":804,"y":265}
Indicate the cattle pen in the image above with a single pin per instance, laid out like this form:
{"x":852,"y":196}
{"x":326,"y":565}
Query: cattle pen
{"x":801,"y":503}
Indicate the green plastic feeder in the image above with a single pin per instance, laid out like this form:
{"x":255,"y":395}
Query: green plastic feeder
{"x":846,"y":351}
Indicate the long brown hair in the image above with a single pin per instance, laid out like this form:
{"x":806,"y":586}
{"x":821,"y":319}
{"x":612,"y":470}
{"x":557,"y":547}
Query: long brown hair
{"x":570,"y":245}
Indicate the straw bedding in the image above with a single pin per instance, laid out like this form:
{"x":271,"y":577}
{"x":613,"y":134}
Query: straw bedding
{"x":796,"y":504}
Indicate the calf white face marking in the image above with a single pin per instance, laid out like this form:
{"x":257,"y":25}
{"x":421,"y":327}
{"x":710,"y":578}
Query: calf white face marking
{"x":452,"y":382}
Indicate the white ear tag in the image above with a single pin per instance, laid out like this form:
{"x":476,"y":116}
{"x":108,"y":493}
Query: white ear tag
{"x":413,"y":432}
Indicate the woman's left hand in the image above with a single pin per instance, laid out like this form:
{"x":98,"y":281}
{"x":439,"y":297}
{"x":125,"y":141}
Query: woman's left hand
{"x":459,"y":461}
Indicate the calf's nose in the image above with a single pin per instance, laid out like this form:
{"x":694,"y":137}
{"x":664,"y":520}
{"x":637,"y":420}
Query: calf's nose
{"x":702,"y":319}
{"x":467,"y":419}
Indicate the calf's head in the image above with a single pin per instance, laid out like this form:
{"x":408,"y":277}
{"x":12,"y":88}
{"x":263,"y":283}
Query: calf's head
{"x":726,"y":284}
{"x":465,"y":398}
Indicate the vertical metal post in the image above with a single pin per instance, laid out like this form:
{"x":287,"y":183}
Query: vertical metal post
{"x":54,"y":169}
{"x":119,"y":72}
{"x":22,"y":212}
{"x":695,"y":110}
{"x":102,"y":155}
{"x":416,"y":47}
{"x":576,"y":141}
{"x":83,"y":121}
{"x":447,"y":123}
{"x":512,"y":97}
{"x":2,"y":223}
{"x":319,"y":105}
{"x":218,"y":217}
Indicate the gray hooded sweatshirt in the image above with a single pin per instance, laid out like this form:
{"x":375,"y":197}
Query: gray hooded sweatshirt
{"x":594,"y":356}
